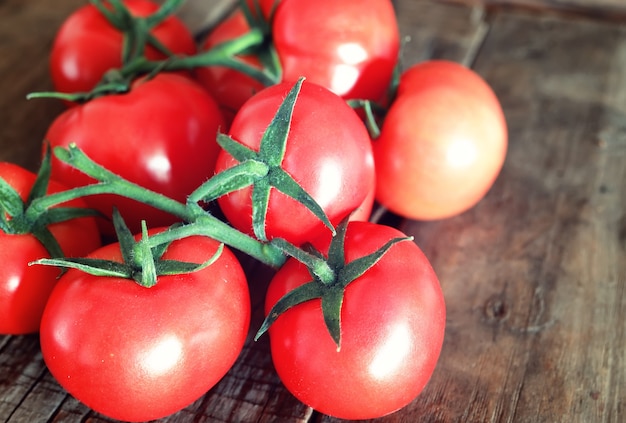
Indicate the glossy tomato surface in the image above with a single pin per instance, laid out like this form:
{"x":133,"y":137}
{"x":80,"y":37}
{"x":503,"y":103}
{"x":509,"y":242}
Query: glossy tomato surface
{"x":442,"y":144}
{"x":160,"y":135}
{"x":138,"y":354}
{"x":350,"y":47}
{"x":24,"y":289}
{"x":328,"y":153}
{"x":392,"y":329}
{"x":87,"y":45}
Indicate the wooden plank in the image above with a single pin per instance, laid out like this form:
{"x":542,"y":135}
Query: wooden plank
{"x":608,"y":10}
{"x":535,"y":275}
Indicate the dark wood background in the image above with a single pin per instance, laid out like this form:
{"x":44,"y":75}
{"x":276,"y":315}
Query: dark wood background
{"x":534,"y":276}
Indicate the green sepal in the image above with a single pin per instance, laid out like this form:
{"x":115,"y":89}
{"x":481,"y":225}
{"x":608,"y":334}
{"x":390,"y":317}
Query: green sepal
{"x":329,"y":280}
{"x":303,"y":293}
{"x":141,"y":261}
{"x":50,"y":243}
{"x":42,"y":180}
{"x":11,"y":203}
{"x":96,"y":267}
{"x":63,"y":214}
{"x":271,"y":153}
{"x":242,"y":175}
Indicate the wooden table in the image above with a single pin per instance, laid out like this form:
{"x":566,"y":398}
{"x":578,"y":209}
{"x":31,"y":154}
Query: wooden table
{"x":534,"y":276}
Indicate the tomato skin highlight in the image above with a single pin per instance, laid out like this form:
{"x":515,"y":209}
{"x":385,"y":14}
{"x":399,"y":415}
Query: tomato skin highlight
{"x":25,"y":289}
{"x":442,"y":144}
{"x":87,"y":45}
{"x":350,"y":47}
{"x":392,"y":320}
{"x":160,"y":135}
{"x":324,"y":132}
{"x":138,"y":354}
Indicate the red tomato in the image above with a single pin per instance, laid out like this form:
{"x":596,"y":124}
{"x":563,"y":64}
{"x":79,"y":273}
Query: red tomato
{"x":87,"y":45}
{"x":442,"y":144}
{"x":229,"y":87}
{"x":328,"y":153}
{"x":161,"y":135}
{"x":392,"y":329}
{"x":24,"y":289}
{"x":350,"y":47}
{"x":137,"y":354}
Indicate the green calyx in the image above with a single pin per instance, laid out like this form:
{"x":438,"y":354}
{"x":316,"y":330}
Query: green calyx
{"x":136,"y":30}
{"x":330,"y":277}
{"x":25,"y":217}
{"x":262,"y":170}
{"x":142,"y":262}
{"x":137,"y":36}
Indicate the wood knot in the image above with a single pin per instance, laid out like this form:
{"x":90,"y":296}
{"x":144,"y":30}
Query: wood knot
{"x":496,"y":309}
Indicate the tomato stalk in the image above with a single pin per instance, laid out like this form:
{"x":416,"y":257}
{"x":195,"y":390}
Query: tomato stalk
{"x":372,"y":112}
{"x":261,"y":170}
{"x":201,"y":222}
{"x":223,"y":54}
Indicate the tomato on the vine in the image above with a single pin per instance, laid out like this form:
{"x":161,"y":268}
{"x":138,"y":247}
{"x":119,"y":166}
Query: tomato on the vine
{"x":24,"y":289}
{"x":87,"y":45}
{"x":160,"y":135}
{"x":442,"y":144}
{"x":350,"y":47}
{"x":135,"y":353}
{"x":328,"y":152}
{"x":392,"y":323}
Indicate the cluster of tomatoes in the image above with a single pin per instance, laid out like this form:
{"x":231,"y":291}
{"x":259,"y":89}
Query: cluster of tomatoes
{"x":276,"y":136}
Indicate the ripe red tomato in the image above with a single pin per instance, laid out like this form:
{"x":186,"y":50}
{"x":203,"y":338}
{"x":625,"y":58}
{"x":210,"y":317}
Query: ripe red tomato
{"x":442,"y":144}
{"x":229,"y":87}
{"x":160,"y":135}
{"x":350,"y":47}
{"x":87,"y":45}
{"x":328,"y":153}
{"x":392,"y":329}
{"x":138,"y":354}
{"x":24,"y":289}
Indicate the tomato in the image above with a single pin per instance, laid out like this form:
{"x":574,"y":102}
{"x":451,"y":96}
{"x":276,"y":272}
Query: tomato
{"x":24,"y":289}
{"x":230,"y":88}
{"x":137,"y":354}
{"x":328,"y":152}
{"x":87,"y":45}
{"x":392,"y":329}
{"x":442,"y":144}
{"x":160,"y":135}
{"x":350,"y":47}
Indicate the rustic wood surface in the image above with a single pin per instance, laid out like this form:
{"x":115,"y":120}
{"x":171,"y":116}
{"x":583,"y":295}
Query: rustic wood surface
{"x":612,"y":10}
{"x":534,"y":276}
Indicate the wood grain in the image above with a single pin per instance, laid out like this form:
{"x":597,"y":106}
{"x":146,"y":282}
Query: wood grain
{"x":606,"y":10}
{"x":534,"y":276}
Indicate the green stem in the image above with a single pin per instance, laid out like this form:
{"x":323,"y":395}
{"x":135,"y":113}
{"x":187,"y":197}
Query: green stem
{"x":371,"y":110}
{"x":201,"y":222}
{"x":210,"y":226}
{"x":221,"y":55}
{"x":110,"y":183}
